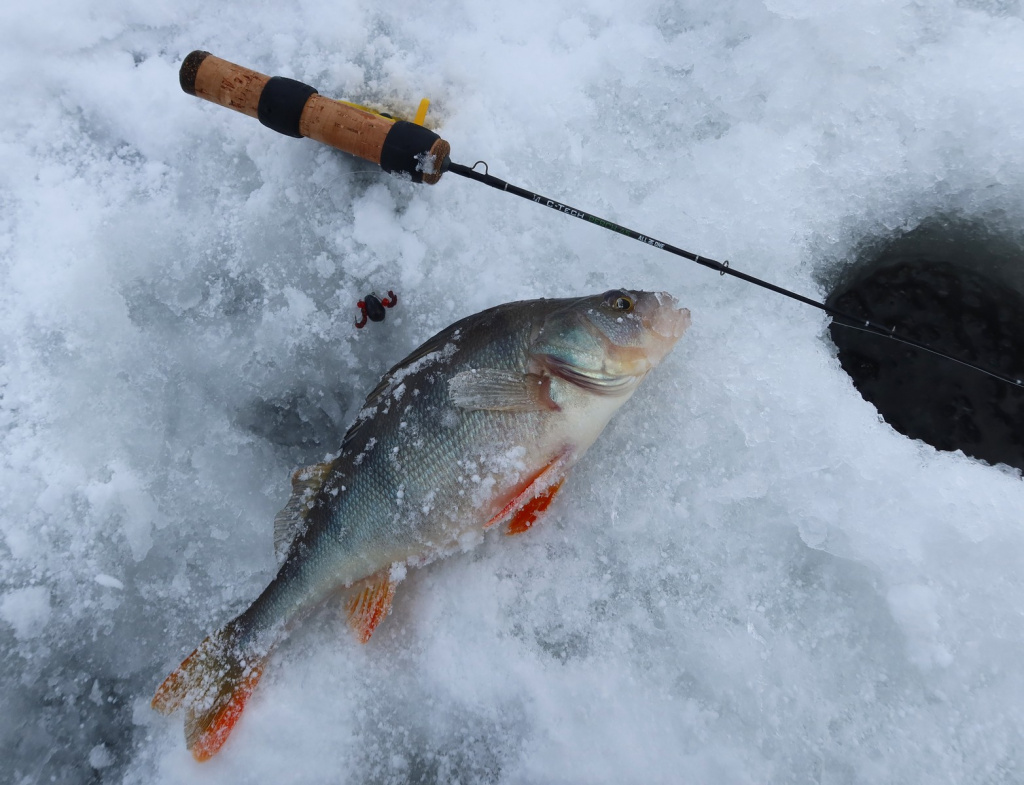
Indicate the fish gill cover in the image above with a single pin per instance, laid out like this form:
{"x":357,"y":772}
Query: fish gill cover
{"x":750,"y":578}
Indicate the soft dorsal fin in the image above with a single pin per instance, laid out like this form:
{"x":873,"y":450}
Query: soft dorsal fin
{"x":306,"y":483}
{"x":497,"y":390}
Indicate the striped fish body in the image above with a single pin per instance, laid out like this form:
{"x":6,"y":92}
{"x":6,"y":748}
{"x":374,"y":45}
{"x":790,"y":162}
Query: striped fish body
{"x":476,"y":427}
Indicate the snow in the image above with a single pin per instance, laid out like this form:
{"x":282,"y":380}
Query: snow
{"x":27,"y":610}
{"x":749,"y":578}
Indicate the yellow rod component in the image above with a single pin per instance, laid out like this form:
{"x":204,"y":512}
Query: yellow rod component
{"x":421,"y":112}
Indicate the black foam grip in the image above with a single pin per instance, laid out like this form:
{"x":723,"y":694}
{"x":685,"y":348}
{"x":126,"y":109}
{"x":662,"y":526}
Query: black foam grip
{"x":403,"y":146}
{"x":281,"y":104}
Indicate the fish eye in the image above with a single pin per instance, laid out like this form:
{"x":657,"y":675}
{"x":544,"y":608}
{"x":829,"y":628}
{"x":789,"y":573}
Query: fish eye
{"x":619,"y":301}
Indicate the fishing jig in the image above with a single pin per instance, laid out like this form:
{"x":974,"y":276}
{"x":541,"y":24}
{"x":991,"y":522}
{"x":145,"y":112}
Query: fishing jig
{"x":411,"y":150}
{"x":372,"y":307}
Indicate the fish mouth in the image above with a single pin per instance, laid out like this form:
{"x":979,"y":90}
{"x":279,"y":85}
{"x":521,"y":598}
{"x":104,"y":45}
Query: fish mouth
{"x":667,"y":320}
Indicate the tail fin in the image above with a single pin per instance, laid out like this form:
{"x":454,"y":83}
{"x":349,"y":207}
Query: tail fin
{"x":213,"y":684}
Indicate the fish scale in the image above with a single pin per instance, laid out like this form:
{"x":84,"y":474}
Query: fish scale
{"x":477,"y":426}
{"x":369,"y":511}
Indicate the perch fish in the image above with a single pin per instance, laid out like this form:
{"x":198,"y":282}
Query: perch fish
{"x":476,"y":428}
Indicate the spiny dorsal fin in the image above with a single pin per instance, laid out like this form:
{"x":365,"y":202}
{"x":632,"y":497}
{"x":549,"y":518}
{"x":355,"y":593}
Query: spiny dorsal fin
{"x":291,"y":520}
{"x":497,"y":390}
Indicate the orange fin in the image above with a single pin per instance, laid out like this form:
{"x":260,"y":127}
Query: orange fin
{"x":527,"y":515}
{"x":535,"y":487}
{"x":213,"y":683}
{"x":369,"y":603}
{"x":212,"y":728}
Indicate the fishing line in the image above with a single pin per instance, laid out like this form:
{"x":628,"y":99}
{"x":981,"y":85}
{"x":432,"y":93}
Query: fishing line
{"x":723,"y":268}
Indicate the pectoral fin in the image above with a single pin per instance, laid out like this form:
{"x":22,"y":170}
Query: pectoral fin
{"x":369,"y":603}
{"x":505,"y":391}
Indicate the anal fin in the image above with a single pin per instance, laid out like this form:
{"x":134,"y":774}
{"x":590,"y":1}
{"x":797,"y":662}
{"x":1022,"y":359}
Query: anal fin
{"x":527,"y":515}
{"x":369,"y":603}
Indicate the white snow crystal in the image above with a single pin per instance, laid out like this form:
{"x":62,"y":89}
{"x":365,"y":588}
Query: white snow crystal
{"x":27,"y":610}
{"x":109,"y":581}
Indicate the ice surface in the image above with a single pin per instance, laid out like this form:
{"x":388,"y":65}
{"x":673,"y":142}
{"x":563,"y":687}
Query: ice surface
{"x":748,"y":579}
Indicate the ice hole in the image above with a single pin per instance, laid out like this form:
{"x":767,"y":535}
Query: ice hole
{"x":958,"y":287}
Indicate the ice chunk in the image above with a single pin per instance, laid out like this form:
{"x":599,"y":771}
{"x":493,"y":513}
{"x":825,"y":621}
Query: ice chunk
{"x":27,"y":610}
{"x":109,"y":581}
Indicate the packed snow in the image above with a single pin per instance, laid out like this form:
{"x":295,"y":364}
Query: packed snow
{"x":749,"y":578}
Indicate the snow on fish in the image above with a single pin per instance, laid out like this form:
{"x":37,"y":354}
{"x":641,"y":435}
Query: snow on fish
{"x":477,"y":427}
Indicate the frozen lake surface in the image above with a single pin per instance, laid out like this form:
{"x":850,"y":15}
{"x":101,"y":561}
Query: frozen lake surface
{"x":749,"y":578}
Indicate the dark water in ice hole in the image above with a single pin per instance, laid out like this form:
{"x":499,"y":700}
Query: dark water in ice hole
{"x":959,"y":311}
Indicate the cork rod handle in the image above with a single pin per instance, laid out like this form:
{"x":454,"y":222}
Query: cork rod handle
{"x":296,"y":109}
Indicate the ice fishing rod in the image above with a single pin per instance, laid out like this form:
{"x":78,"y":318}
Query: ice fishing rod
{"x":408,"y":149}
